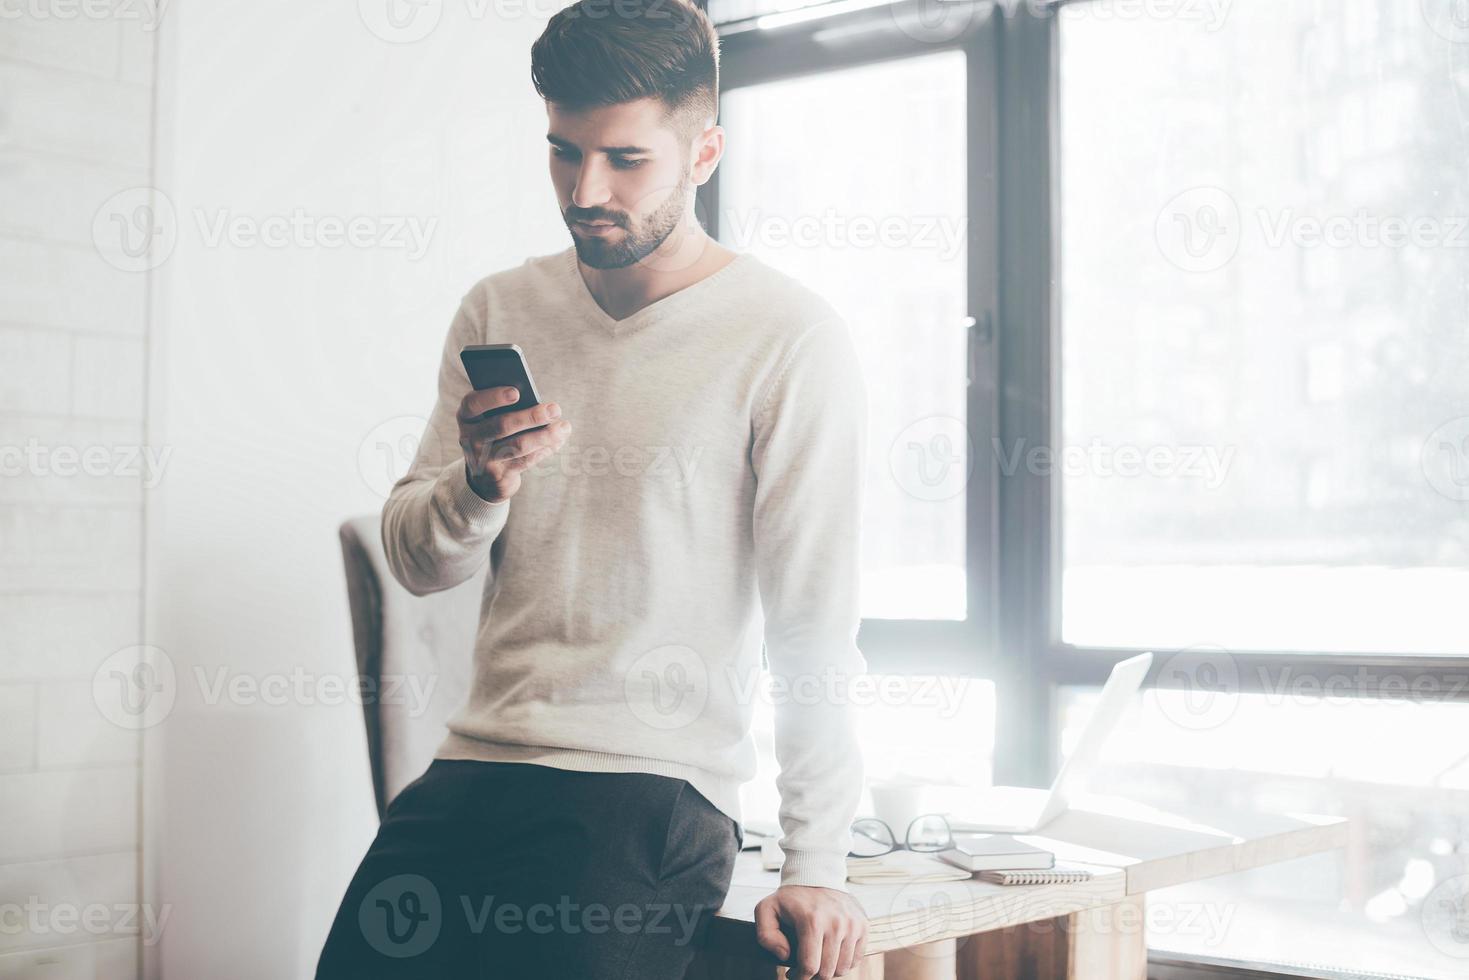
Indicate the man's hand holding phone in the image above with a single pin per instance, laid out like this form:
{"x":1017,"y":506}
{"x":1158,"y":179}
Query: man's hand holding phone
{"x":498,"y":448}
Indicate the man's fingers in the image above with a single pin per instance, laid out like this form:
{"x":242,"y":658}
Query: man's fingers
{"x":808,"y":949}
{"x":526,"y":462}
{"x":831,"y":949}
{"x":847,"y":961}
{"x":508,"y":424}
{"x":477,"y":403}
{"x":768,"y":934}
{"x":530,"y":442}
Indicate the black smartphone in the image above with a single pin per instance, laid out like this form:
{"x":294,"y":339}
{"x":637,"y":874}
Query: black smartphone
{"x":494,"y":365}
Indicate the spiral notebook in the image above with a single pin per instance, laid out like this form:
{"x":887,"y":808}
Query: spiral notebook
{"x":1058,"y":875}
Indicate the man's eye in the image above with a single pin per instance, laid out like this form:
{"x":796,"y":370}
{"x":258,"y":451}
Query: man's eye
{"x":619,"y":162}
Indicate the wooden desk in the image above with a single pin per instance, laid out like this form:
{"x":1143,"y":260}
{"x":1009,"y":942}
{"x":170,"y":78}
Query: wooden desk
{"x":972,"y":930}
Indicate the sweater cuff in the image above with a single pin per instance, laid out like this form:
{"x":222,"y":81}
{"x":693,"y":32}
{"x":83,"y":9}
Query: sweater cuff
{"x":819,"y":869}
{"x":472,"y":509}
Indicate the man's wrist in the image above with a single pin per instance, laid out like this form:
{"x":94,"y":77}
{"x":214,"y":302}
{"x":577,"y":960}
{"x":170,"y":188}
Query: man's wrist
{"x":466,"y":502}
{"x":819,"y":869}
{"x":469,"y":482}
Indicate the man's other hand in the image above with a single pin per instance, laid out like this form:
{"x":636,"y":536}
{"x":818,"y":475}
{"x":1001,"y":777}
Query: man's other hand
{"x":829,"y":926}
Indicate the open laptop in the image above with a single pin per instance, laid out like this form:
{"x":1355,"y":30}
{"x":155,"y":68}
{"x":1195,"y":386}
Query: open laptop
{"x":1018,"y":810}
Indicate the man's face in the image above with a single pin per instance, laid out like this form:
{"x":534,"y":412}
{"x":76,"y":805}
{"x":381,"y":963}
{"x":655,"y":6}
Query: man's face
{"x":618,"y":165}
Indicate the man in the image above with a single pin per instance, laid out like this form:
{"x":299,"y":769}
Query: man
{"x":691,"y":485}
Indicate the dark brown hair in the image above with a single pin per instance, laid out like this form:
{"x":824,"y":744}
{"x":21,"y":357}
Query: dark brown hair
{"x":604,"y":52}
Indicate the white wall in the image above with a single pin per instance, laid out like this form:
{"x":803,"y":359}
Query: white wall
{"x":272,"y":367}
{"x":75,"y":111}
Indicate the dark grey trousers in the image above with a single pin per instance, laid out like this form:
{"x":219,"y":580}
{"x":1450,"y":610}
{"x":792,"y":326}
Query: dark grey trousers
{"x":490,"y":869}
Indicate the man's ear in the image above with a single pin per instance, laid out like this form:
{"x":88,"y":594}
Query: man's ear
{"x":709,"y":149}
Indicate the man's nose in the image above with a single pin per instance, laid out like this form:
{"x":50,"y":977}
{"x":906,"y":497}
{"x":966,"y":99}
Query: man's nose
{"x":591,"y":186}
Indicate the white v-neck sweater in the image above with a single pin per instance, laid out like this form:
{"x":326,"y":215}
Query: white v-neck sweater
{"x":708,"y":498}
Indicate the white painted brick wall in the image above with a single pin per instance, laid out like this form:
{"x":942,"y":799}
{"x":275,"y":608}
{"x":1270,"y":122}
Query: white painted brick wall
{"x":99,"y":886}
{"x":75,"y":128}
{"x":67,"y":287}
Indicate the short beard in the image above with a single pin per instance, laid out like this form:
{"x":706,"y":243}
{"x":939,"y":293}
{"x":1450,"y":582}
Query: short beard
{"x":637,"y":243}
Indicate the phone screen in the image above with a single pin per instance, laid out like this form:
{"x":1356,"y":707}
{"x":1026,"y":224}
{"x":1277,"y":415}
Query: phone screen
{"x":494,"y":365}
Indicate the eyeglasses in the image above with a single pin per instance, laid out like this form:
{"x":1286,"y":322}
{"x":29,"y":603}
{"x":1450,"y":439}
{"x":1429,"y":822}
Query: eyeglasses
{"x":872,"y":837}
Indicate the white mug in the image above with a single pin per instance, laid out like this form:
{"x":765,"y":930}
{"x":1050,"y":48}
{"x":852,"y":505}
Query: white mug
{"x":898,"y":802}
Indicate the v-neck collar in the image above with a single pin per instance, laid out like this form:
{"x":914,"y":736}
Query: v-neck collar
{"x":653,"y":311}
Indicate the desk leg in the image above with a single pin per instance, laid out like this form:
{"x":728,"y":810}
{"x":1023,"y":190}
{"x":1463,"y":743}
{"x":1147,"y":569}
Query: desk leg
{"x":1104,"y":943}
{"x":1111,"y":942}
{"x":931,"y":961}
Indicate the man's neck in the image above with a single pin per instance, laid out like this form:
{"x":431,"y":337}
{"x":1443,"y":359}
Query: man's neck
{"x":623,"y":292}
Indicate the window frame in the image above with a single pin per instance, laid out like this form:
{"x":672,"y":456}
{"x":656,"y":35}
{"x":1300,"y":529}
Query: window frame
{"x":753,"y":57}
{"x":1014,"y":561}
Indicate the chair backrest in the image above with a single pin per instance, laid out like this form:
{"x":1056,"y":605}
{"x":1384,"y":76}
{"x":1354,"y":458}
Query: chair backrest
{"x":415,"y":653}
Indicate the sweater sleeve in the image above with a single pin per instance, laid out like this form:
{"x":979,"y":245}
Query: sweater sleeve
{"x":436,"y":530}
{"x":808,"y":452}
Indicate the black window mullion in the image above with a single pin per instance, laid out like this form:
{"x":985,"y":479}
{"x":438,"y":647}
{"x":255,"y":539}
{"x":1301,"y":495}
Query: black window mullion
{"x":871,"y":36}
{"x":1028,"y":174}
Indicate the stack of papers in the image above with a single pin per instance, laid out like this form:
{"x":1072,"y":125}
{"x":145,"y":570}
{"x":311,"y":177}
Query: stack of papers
{"x":895,"y":868}
{"x":900,"y":867}
{"x":903,"y":867}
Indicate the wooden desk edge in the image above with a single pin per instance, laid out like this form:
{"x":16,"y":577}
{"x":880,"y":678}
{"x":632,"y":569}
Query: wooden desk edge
{"x":731,"y":936}
{"x":1149,"y":875}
